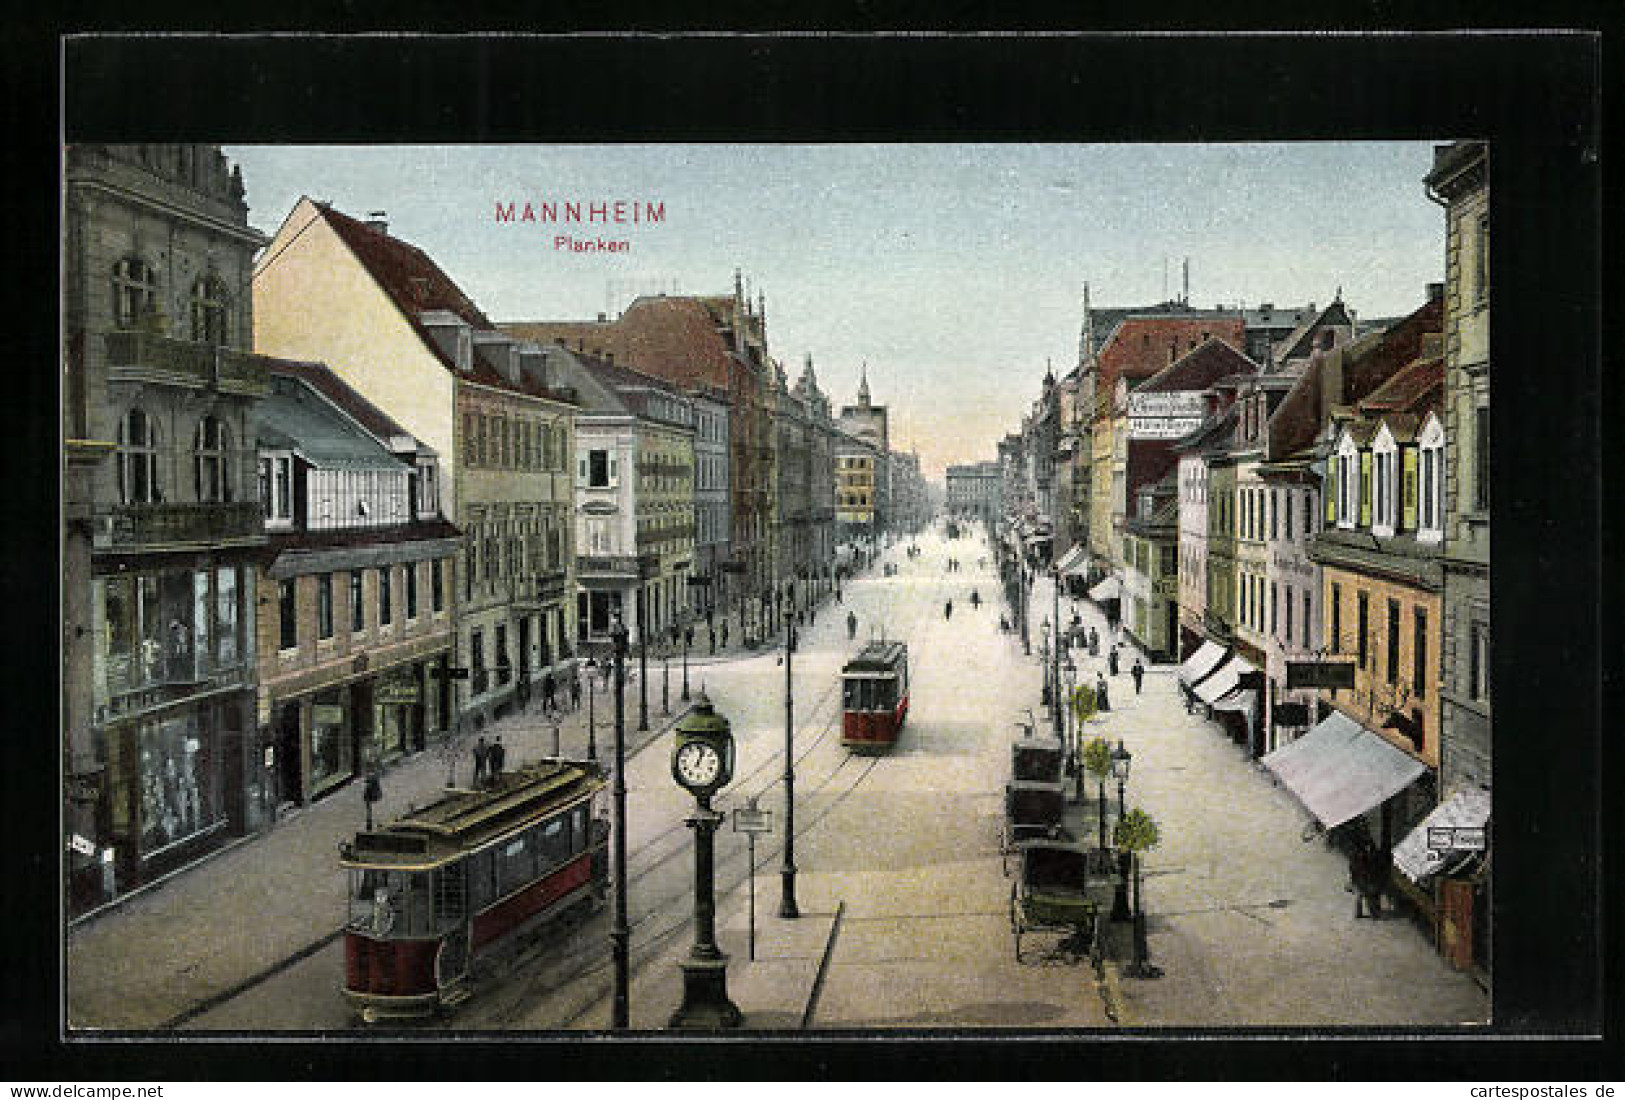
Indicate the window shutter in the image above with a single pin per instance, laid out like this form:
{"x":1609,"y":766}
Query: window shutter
{"x":1365,"y":488}
{"x":614,"y":472}
{"x":1409,"y":491}
{"x":581,"y":472}
{"x":1331,"y":491}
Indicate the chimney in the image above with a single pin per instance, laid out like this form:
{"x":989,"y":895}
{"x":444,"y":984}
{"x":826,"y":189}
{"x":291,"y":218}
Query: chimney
{"x":602,"y":317}
{"x":1435,"y":292}
{"x":378,"y":222}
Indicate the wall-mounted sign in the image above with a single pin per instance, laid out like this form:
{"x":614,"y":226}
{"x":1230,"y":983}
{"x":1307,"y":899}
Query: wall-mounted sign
{"x":327,"y":714}
{"x":1320,"y":674}
{"x":396,"y":693}
{"x":1456,"y":838}
{"x":1291,"y":714}
{"x":599,"y":508}
{"x":1164,"y":415}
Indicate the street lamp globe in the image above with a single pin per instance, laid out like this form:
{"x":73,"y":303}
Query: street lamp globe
{"x":1121,"y":761}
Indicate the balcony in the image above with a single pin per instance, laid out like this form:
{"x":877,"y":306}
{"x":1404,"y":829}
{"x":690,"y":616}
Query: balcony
{"x":179,"y":526}
{"x":540,"y":590}
{"x":607,"y":565}
{"x":144,"y":357}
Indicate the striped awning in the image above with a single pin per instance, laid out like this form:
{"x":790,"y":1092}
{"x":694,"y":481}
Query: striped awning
{"x":1222,"y":682}
{"x":1203,"y":661}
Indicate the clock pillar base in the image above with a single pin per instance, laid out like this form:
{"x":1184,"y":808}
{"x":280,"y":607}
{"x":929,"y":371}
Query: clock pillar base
{"x":705,"y":996}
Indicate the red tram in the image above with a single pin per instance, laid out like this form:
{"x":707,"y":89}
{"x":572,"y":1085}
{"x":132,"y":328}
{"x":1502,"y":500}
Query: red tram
{"x":874,"y":694}
{"x":440,"y":891}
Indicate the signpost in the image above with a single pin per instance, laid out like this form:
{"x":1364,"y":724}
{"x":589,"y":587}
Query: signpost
{"x":1320,"y":674}
{"x":750,"y":821}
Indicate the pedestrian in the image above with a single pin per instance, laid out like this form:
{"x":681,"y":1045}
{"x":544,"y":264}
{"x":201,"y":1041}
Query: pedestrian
{"x":1102,"y":699}
{"x":548,"y":685}
{"x":1111,"y":661}
{"x":1366,"y":868}
{"x":851,"y":625}
{"x":1138,"y":672}
{"x":948,"y":611}
{"x":575,"y":692}
{"x":481,"y":754}
{"x":1094,"y":642}
{"x":724,"y":633}
{"x":496,"y":757}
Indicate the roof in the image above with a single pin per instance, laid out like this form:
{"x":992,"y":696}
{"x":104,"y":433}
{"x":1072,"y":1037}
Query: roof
{"x":1149,"y":460}
{"x":1139,"y":347}
{"x":417,"y":285}
{"x":877,"y":656}
{"x":293,"y":415}
{"x":1296,"y":345}
{"x":1197,"y":370}
{"x":321,"y":377}
{"x":1346,"y":374}
{"x":1416,"y":388}
{"x":351,"y":538}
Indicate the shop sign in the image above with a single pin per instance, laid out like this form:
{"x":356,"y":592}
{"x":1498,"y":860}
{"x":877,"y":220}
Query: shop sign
{"x":1320,"y":674}
{"x":1456,"y":838}
{"x":1291,"y":714}
{"x":449,"y":672}
{"x":81,"y":845}
{"x":392,"y":693}
{"x":327,"y":714}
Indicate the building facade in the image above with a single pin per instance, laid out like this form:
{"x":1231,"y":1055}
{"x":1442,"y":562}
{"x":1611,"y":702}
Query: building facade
{"x":162,"y":523}
{"x":401,"y":332}
{"x":713,"y":524}
{"x":355,"y":638}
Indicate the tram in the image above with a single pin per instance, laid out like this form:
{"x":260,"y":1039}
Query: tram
{"x":435,"y":895}
{"x":874,"y":695}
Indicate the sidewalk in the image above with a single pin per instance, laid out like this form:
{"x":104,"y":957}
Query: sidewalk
{"x":152,"y":960}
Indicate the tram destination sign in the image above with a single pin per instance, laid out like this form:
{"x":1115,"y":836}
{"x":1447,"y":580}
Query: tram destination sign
{"x":1320,"y":674}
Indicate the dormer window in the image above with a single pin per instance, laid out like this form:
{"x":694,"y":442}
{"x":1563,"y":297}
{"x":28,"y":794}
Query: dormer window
{"x":1385,"y":459}
{"x":276,"y":488}
{"x":1349,"y":482}
{"x":428,"y":491}
{"x":1430,"y":482}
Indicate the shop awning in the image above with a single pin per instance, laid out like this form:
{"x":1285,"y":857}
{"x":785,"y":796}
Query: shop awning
{"x":1242,"y":700}
{"x":1073,"y":561}
{"x":1222,"y":682}
{"x":1465,"y":810}
{"x":1340,"y":769}
{"x":1109,"y":589}
{"x":1203,"y":661}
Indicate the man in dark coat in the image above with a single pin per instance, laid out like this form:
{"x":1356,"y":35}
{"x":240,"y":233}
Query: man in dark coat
{"x":1102,"y":700}
{"x":548,"y":704}
{"x":575,"y":692}
{"x":482,"y":752}
{"x":498,"y":755}
{"x":1111,"y":661}
{"x":1139,"y":675}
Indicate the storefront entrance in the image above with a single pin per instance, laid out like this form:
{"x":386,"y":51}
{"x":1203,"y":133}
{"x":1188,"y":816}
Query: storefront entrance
{"x":289,"y":767}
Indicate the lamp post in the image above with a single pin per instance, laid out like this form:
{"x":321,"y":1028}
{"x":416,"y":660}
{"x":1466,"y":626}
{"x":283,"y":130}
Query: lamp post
{"x":665,"y":679}
{"x":1021,"y":598}
{"x":1070,"y":671}
{"x":1056,"y":576}
{"x":620,"y":934}
{"x":592,"y":718}
{"x":643,"y":659}
{"x":787,"y":900}
{"x":1121,"y":759}
{"x":688,"y":633}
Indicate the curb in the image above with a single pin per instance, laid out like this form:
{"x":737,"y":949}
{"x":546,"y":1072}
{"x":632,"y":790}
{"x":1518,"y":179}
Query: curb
{"x":817,"y":989}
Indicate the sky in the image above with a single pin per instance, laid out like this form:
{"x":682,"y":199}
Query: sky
{"x":956,"y":272}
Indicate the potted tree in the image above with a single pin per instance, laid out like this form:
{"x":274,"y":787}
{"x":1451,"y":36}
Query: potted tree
{"x":1137,"y":832}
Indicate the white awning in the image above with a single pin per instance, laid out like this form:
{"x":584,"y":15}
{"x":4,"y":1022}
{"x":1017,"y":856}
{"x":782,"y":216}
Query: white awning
{"x":1073,"y":561}
{"x":1340,"y":769}
{"x":1242,"y":700}
{"x":1203,"y":661}
{"x":1223,"y":681}
{"x":1109,"y":589}
{"x":1464,"y":809}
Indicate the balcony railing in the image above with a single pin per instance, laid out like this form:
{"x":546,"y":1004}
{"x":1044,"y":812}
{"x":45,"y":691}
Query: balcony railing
{"x":157,"y":526}
{"x":618,"y":565}
{"x":145,"y":357}
{"x":670,"y":533}
{"x":540,"y":588}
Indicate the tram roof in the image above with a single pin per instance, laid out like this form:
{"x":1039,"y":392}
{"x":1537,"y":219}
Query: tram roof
{"x":878,"y":657}
{"x":461,"y":821}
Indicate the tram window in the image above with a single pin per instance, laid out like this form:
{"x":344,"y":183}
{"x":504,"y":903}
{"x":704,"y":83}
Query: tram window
{"x":885,"y":694}
{"x":416,"y":910}
{"x":516,"y":863}
{"x":480,"y":889}
{"x":581,"y":837}
{"x":555,"y":846}
{"x":852,"y":694}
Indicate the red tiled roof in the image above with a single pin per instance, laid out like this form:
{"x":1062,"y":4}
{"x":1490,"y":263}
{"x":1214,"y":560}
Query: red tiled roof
{"x":1199,"y":369}
{"x":1139,"y":347}
{"x":1149,"y":460}
{"x":1413,"y":389}
{"x":678,"y":339}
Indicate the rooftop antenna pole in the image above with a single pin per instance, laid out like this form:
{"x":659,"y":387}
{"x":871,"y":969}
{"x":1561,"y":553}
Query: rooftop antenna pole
{"x":1165,"y":278}
{"x":1186,"y":298}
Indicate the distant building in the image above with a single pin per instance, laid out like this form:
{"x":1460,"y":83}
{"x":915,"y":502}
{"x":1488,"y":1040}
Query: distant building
{"x":867,"y":423}
{"x":976,"y":490}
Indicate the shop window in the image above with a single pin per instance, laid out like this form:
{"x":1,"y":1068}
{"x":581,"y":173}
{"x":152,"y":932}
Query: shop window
{"x":287,"y":615}
{"x":212,"y":460}
{"x":179,"y":780}
{"x":499,"y":655}
{"x":228,"y":652}
{"x":332,"y":756}
{"x":358,"y":607}
{"x":437,"y":590}
{"x":411,"y":569}
{"x":138,"y":459}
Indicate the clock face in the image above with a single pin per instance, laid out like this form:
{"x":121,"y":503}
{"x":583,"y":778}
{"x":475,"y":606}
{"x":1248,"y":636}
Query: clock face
{"x":698,"y":764}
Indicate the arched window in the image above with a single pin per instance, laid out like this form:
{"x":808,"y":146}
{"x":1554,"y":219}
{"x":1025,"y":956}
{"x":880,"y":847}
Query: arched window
{"x":212,"y":460}
{"x":211,"y":310}
{"x":135,"y":291}
{"x":138,"y":459}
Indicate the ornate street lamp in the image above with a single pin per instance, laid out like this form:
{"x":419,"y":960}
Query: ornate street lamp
{"x":702,"y":762}
{"x":1068,"y":726}
{"x":688,"y":634}
{"x":620,"y":934}
{"x":1056,"y":656}
{"x":1121,"y":760}
{"x":643,"y":659}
